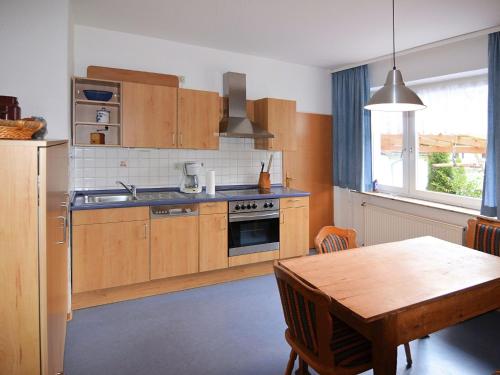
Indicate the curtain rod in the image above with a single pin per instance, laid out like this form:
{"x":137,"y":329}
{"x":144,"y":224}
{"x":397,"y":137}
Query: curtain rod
{"x":423,"y":47}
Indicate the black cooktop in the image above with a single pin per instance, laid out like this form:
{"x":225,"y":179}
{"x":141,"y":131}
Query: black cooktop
{"x":245,"y":192}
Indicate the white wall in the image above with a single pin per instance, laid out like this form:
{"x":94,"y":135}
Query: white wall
{"x":456,"y":57}
{"x":203,"y":67}
{"x":34,"y":66}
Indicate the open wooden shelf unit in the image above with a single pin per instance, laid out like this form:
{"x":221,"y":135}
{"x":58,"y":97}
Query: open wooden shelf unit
{"x":85,"y":112}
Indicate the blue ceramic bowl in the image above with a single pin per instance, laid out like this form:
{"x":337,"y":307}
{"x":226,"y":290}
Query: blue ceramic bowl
{"x":98,"y":95}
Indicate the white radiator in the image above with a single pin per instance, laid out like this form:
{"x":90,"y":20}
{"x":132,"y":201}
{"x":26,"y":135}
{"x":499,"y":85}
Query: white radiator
{"x":386,"y":225}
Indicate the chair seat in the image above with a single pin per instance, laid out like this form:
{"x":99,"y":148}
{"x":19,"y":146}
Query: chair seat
{"x":350,"y":348}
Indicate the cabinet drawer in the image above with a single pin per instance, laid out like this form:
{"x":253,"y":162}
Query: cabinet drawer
{"x":253,"y":258}
{"x":294,"y":202}
{"x":213,"y":208}
{"x":110,"y":215}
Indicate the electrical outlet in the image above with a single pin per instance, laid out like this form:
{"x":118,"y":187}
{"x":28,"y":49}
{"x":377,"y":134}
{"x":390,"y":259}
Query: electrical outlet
{"x":123,"y":163}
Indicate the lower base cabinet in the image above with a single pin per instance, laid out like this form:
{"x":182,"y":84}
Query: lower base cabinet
{"x":294,"y":227}
{"x":213,"y":236}
{"x":109,"y":254}
{"x":123,"y":246}
{"x":174,"y":246}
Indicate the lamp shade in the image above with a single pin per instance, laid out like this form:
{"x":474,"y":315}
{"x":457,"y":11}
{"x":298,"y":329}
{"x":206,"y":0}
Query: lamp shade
{"x":394,"y":96}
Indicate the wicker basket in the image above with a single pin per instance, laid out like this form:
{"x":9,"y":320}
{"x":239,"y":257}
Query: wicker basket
{"x":19,"y":129}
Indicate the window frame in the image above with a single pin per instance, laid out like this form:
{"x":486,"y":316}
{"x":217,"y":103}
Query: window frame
{"x":396,"y":190}
{"x":409,"y":189}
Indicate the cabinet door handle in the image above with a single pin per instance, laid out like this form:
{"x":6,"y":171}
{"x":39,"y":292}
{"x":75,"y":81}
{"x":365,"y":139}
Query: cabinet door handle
{"x":223,"y":223}
{"x":173,"y":138}
{"x":65,"y":222}
{"x":282,"y":218}
{"x":180,"y":138}
{"x":145,"y":231}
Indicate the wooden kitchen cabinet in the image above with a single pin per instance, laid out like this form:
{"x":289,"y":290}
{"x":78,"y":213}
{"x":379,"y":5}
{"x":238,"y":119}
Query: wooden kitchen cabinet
{"x":294,"y":227}
{"x":277,"y":116}
{"x":198,"y":119}
{"x":149,"y":115}
{"x":174,"y":246}
{"x":33,"y":256}
{"x":111,"y":253}
{"x":213,"y":236}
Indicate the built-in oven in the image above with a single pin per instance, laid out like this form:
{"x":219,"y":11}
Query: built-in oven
{"x":254,"y":226}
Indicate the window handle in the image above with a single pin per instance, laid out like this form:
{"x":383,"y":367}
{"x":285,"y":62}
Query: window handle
{"x":403,"y":150}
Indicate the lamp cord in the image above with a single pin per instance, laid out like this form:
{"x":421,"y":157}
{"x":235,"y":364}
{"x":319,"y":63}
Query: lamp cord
{"x":393,"y":40}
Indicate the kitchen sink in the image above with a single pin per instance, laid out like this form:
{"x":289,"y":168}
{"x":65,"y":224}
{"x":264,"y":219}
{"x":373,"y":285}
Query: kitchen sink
{"x":108,"y":198}
{"x":150,"y":196}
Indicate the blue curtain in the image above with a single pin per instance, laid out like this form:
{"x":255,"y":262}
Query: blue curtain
{"x":491,"y":186}
{"x":352,"y":155}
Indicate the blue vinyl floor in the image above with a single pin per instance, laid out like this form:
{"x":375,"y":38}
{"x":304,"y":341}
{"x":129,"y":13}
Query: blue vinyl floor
{"x":237,"y":328}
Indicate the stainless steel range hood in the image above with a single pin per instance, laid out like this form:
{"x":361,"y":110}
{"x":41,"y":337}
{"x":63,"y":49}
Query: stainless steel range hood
{"x":235,"y":123}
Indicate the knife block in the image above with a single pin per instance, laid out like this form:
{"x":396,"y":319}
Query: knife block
{"x":264,"y":181}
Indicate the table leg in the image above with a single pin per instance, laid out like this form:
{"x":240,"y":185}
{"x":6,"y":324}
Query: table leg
{"x":385,"y":348}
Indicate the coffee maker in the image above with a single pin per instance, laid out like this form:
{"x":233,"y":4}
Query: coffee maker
{"x":191,"y":178}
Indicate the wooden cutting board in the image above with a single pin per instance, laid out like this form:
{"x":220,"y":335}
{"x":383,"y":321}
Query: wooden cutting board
{"x":115,"y":74}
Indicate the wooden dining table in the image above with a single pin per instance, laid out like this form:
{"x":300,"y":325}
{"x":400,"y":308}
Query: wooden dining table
{"x":397,"y":292}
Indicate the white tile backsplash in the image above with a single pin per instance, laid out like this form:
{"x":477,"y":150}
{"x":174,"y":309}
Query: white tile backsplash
{"x":235,"y":163}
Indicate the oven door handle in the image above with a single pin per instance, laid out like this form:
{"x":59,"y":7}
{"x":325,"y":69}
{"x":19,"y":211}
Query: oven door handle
{"x":247,"y":217}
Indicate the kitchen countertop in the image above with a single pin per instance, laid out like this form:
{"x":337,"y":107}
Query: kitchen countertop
{"x":277,"y":191}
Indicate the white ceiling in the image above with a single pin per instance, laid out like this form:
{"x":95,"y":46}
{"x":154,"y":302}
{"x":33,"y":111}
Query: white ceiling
{"x":325,"y":33}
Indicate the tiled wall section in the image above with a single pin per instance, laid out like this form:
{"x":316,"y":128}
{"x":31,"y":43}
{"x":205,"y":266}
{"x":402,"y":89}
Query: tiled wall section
{"x":236,"y":162}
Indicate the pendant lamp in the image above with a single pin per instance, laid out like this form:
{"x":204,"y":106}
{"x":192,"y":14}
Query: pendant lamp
{"x":394,"y":96}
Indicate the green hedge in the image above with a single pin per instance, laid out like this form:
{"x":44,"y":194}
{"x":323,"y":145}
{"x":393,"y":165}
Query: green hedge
{"x":451,"y":180}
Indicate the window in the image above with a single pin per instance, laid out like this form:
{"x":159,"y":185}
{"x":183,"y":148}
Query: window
{"x":438,"y":153}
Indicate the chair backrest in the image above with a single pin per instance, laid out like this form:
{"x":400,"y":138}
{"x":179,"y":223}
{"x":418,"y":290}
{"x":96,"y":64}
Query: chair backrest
{"x":330,"y":239}
{"x":307,"y":316}
{"x":484,"y":235}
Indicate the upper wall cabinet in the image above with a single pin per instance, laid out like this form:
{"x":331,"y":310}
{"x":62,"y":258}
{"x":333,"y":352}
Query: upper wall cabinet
{"x":149,"y":115}
{"x":198,"y":119}
{"x":278,"y":117}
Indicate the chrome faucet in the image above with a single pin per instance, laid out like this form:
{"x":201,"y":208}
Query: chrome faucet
{"x":132,"y":189}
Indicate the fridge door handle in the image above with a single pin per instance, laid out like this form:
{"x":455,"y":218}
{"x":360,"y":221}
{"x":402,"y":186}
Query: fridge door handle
{"x":65,"y":225}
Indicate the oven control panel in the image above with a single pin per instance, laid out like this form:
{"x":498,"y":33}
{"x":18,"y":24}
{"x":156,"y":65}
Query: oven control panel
{"x":254,"y":205}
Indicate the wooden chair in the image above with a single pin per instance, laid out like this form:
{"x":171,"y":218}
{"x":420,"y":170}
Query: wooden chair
{"x":330,"y":239}
{"x":319,"y":339}
{"x":484,"y":235}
